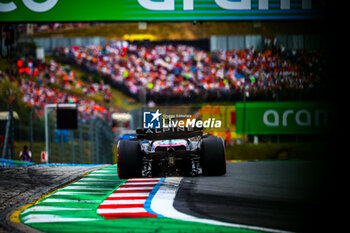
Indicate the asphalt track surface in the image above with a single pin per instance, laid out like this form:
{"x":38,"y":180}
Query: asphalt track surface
{"x":268,"y":196}
{"x":21,"y":185}
{"x":287,"y":196}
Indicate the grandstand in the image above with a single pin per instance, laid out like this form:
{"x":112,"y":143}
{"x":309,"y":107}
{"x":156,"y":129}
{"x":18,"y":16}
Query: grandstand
{"x":278,"y":64}
{"x":184,"y":74}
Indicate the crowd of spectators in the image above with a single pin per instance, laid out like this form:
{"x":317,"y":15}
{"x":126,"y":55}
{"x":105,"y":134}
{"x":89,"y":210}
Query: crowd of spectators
{"x":167,"y":73}
{"x":51,"y":83}
{"x":49,"y":27}
{"x":181,"y":72}
{"x":56,"y":26}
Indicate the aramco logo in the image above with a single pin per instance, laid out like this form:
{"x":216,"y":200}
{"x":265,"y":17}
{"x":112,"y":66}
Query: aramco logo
{"x":302,"y":117}
{"x":224,"y":4}
{"x":164,"y":5}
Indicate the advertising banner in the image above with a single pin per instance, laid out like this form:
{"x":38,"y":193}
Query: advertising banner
{"x":156,"y":10}
{"x":256,"y":118}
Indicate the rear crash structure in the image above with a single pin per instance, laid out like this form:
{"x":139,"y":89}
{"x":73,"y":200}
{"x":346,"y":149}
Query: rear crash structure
{"x":171,"y":152}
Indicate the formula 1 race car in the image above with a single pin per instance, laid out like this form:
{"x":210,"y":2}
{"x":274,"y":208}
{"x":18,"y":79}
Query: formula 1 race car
{"x":171,"y":152}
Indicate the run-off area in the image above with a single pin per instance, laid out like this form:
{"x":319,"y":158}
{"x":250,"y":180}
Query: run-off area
{"x":101,"y":202}
{"x":91,"y":205}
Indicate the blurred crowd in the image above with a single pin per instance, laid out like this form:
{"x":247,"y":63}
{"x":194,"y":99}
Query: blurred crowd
{"x":164,"y":73}
{"x":51,"y":83}
{"x":56,"y":26}
{"x":48,"y":27}
{"x":184,"y":72}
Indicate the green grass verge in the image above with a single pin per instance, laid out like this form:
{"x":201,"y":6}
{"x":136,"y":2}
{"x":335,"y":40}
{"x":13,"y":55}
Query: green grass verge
{"x":4,"y":64}
{"x":188,"y":30}
{"x":119,"y":100}
{"x":38,"y":147}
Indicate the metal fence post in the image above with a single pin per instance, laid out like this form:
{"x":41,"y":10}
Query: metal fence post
{"x":9,"y":127}
{"x":91,"y":136}
{"x":47,"y":132}
{"x":61,"y":147}
{"x":4,"y":149}
{"x":72,"y":146}
{"x":31,"y":129}
{"x":97,"y":143}
{"x":80,"y":143}
{"x":95,"y":138}
{"x":12,"y":127}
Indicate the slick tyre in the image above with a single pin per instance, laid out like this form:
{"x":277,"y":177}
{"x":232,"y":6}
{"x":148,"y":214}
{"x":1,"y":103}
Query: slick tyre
{"x":129,"y":159}
{"x":213,"y":156}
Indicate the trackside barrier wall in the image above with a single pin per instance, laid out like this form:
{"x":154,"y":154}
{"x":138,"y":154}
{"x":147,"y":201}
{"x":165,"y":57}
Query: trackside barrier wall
{"x":49,"y":44}
{"x":218,"y":42}
{"x":92,"y":142}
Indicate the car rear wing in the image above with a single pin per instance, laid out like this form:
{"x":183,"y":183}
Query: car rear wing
{"x":168,"y":133}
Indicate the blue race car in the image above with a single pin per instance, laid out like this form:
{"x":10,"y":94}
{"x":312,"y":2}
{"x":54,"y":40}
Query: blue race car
{"x":171,"y":152}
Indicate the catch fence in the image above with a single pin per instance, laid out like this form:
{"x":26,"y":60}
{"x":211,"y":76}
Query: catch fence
{"x":90,"y":143}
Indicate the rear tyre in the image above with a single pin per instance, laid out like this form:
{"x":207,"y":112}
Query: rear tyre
{"x":129,"y":159}
{"x":213,"y":156}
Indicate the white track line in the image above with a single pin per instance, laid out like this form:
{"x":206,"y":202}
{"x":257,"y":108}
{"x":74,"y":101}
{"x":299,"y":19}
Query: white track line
{"x":97,"y":179}
{"x":52,"y":208}
{"x":129,"y":195}
{"x":69,"y":200}
{"x":144,"y":179}
{"x":76,"y":187}
{"x":121,"y":210}
{"x":76,"y":193}
{"x":49,"y":218}
{"x":163,"y":204}
{"x":135,"y":188}
{"x":123,"y":202}
{"x":102,"y":174}
{"x":97,"y":183}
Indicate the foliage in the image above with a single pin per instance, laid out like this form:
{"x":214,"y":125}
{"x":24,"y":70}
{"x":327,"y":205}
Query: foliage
{"x":8,"y":91}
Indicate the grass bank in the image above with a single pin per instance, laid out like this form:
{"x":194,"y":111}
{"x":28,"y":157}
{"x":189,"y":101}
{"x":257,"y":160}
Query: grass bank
{"x":188,"y":30}
{"x":38,"y":147}
{"x":119,"y":100}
